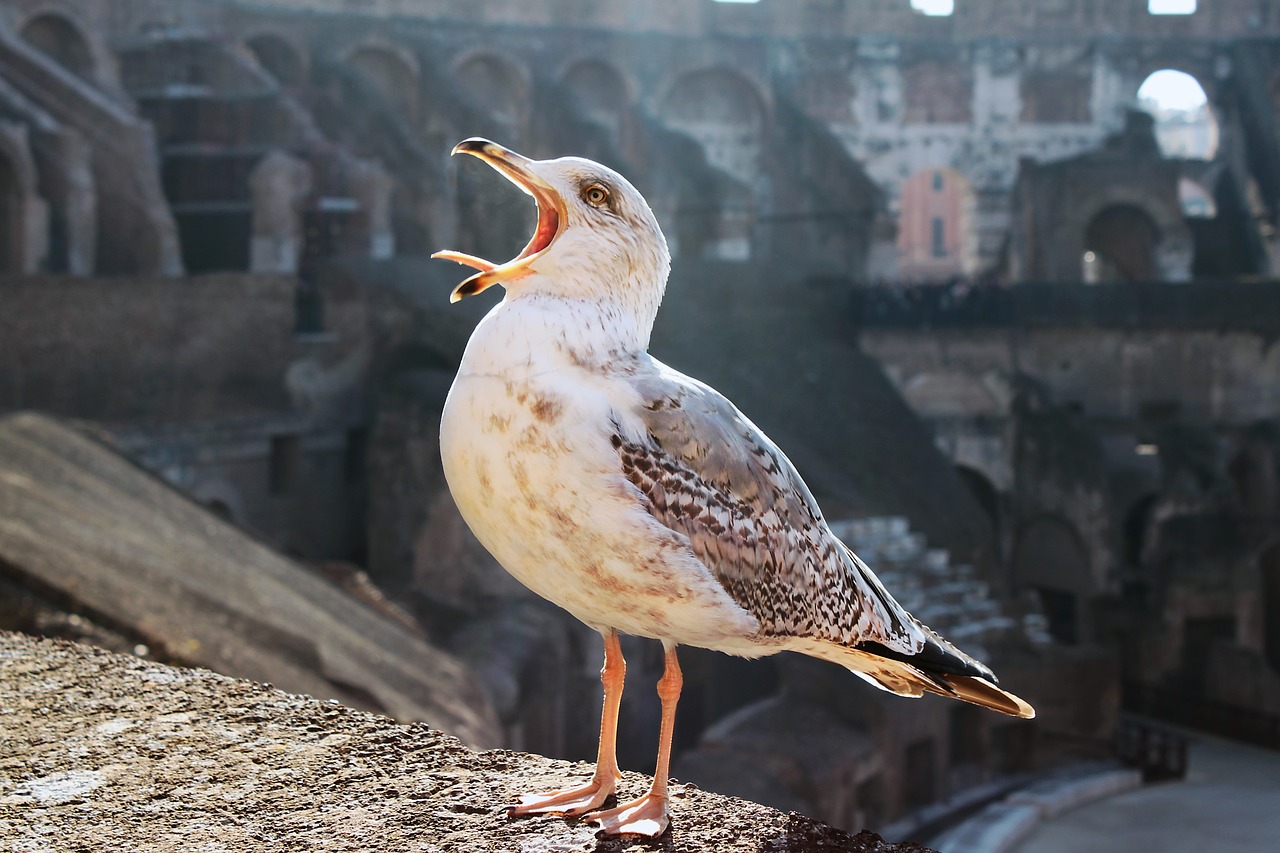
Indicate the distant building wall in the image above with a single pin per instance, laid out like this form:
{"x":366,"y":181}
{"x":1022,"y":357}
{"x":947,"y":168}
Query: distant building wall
{"x":399,"y":81}
{"x":207,"y":385}
{"x":1213,"y":377}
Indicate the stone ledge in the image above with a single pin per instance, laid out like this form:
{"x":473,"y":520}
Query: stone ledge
{"x":101,"y":751}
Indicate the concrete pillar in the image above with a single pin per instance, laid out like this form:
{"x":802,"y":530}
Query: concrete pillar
{"x":280,"y":185}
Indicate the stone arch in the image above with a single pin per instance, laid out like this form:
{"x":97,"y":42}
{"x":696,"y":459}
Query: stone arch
{"x":57,"y":36}
{"x":1050,"y":559}
{"x":279,"y":57}
{"x":391,"y":70}
{"x":498,"y":85}
{"x":1269,"y":566}
{"x":602,"y":91}
{"x":1120,"y":245}
{"x":1184,"y":133}
{"x":725,"y":112}
{"x":937,"y":239}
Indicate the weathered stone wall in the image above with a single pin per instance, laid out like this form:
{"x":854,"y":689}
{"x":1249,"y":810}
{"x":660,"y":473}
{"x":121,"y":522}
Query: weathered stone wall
{"x":1134,"y":462}
{"x":205,"y":382}
{"x":156,"y":351}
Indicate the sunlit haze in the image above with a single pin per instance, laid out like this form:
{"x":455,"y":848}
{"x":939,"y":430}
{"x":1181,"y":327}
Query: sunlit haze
{"x":1172,"y":90}
{"x":934,"y":7}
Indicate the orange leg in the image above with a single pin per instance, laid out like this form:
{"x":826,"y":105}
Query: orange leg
{"x":648,"y":815}
{"x":575,"y":802}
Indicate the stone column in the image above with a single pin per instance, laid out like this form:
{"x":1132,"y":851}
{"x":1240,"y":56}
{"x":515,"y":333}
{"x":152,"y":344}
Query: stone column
{"x":280,"y":185}
{"x":373,"y":186}
{"x":26,"y":215}
{"x":73,"y":197}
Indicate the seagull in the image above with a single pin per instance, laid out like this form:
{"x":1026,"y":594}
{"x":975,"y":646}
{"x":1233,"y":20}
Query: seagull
{"x":639,"y":499}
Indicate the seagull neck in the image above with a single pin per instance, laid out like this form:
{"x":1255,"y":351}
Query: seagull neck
{"x":545,"y":331}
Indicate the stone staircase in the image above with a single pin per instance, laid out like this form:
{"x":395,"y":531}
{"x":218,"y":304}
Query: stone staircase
{"x":946,"y":596}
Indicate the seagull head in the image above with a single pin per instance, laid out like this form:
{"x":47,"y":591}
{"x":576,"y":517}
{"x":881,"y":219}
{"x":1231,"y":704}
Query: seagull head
{"x":596,"y":238}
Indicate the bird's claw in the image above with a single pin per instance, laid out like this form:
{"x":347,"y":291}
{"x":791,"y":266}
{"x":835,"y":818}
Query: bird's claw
{"x":574,"y":802}
{"x":646,"y":816}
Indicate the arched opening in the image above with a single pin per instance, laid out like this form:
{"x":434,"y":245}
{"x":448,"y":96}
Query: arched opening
{"x":1185,"y":124}
{"x":394,"y":78}
{"x":279,"y":59}
{"x":1120,"y":245}
{"x":1049,"y":559}
{"x":1270,"y":566}
{"x":1171,"y":7}
{"x":60,"y":40}
{"x":983,"y":491}
{"x":1196,"y":201}
{"x":600,"y":90}
{"x":934,"y":8}
{"x":495,"y":85}
{"x":722,"y":111}
{"x":936,"y":238}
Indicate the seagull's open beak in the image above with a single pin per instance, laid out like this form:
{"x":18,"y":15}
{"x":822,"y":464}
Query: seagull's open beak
{"x":551,"y":215}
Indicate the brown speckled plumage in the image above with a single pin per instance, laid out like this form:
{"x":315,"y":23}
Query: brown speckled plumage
{"x":708,"y":473}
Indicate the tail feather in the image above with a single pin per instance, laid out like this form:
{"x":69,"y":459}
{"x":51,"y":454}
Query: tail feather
{"x":933,"y":670}
{"x":982,"y":692}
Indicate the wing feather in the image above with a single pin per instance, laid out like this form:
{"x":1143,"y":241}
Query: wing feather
{"x":709,"y":473}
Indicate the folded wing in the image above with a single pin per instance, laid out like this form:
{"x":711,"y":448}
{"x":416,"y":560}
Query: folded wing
{"x":708,"y":472}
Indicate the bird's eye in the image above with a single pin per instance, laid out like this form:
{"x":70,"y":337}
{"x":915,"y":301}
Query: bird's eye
{"x":596,"y":195}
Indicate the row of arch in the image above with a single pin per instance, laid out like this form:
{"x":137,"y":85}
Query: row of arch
{"x":938,"y":237}
{"x":722,"y":108}
{"x":703,"y":101}
{"x":1051,"y":562}
{"x":714,"y":95}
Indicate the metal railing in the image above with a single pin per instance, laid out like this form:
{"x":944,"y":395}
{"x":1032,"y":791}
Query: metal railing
{"x":1159,"y":752}
{"x":1230,"y":721}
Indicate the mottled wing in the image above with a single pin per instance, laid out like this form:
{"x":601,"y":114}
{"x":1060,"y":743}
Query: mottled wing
{"x":711,"y":474}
